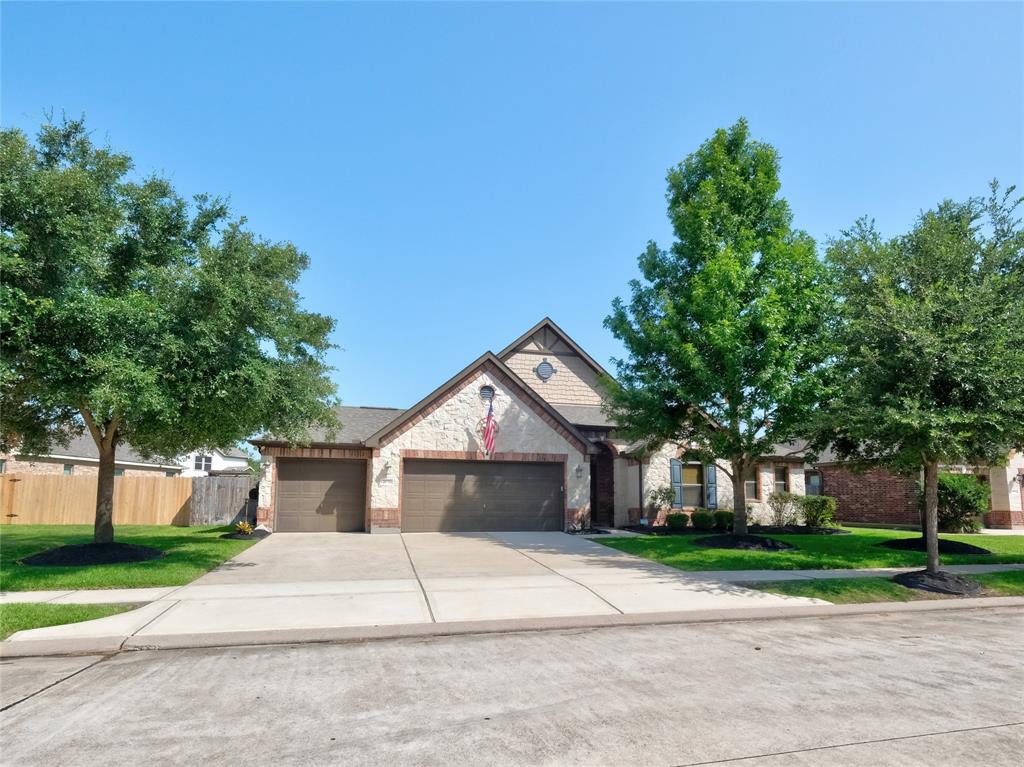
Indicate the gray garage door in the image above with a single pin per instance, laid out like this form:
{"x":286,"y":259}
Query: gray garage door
{"x":481,"y":495}
{"x":320,"y":496}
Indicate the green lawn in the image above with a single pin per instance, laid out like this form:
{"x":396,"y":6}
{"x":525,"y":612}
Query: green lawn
{"x":191,"y":551}
{"x":19,"y":617}
{"x":844,"y":591}
{"x":814,"y":552}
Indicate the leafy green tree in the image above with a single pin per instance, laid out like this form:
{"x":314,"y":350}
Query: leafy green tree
{"x":722,"y":332}
{"x":930,"y":344}
{"x":127,"y":312}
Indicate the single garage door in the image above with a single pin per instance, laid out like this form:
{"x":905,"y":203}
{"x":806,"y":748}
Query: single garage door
{"x":481,"y":495}
{"x":320,"y":495}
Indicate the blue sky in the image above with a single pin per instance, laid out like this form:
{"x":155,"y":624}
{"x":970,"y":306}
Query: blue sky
{"x":458,"y":171}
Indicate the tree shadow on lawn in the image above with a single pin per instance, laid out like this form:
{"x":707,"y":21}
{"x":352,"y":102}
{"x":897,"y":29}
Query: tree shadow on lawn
{"x":189,"y":552}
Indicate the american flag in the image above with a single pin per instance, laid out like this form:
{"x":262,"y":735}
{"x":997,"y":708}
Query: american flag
{"x":490,"y":429}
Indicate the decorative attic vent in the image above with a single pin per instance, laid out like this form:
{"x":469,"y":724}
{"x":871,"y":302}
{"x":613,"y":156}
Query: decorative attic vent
{"x":486,"y":393}
{"x":544,"y":370}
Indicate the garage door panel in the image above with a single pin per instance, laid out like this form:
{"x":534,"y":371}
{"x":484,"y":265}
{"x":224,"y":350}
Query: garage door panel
{"x":321,"y":495}
{"x":451,"y":496}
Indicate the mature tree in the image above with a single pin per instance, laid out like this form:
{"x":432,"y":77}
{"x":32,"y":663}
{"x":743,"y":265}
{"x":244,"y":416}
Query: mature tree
{"x":127,"y":312}
{"x":930,"y":344}
{"x":722,"y":332}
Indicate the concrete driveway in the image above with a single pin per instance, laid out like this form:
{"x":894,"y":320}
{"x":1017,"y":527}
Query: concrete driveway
{"x":320,"y":581}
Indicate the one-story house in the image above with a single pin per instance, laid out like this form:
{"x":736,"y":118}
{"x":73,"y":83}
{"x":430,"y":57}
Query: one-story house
{"x":557,"y":461}
{"x":81,"y":457}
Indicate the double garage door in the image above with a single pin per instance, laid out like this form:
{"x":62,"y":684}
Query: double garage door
{"x":481,"y":496}
{"x":330,"y":496}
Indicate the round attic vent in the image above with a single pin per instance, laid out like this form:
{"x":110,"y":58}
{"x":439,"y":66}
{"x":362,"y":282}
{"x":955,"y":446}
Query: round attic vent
{"x":486,"y":393}
{"x":544,"y":370}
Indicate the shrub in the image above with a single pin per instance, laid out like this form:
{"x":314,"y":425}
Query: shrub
{"x":244,"y":527}
{"x":676,"y":521}
{"x":703,"y":520}
{"x":660,"y":498}
{"x":782,"y":507}
{"x":723,"y":520}
{"x":963,"y":498}
{"x":819,"y":510}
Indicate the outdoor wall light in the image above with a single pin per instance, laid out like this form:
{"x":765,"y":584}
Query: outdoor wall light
{"x":579,"y":471}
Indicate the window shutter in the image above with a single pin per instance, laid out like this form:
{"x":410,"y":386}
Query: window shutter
{"x":676,"y":475}
{"x":711,"y":480}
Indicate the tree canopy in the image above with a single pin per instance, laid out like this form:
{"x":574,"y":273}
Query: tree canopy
{"x":132,"y":313}
{"x":723,"y":330}
{"x":929,"y":342}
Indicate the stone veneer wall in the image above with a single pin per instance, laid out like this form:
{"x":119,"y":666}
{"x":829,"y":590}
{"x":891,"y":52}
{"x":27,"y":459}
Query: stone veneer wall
{"x":451,"y":429}
{"x":1007,"y":494}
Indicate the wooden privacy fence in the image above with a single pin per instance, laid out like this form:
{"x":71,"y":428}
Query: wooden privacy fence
{"x":58,"y":499}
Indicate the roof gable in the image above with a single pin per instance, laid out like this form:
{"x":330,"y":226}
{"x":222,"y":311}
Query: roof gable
{"x":546,"y":336}
{"x":490,"y":363}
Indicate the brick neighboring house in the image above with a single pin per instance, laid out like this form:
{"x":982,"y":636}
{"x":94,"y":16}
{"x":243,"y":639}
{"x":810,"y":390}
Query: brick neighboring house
{"x":558,"y":461}
{"x":80,"y":456}
{"x":878,"y":496}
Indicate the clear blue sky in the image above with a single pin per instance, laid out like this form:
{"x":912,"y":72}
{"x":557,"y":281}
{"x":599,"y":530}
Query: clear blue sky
{"x":456,"y":172}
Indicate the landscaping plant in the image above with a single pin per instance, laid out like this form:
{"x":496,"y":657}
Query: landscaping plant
{"x":141,"y":317}
{"x":782,"y":508}
{"x":660,"y":498}
{"x":703,"y":520}
{"x":723,"y":520}
{"x":963,"y":498}
{"x":676,"y":521}
{"x":721,"y":333}
{"x":818,"y":510}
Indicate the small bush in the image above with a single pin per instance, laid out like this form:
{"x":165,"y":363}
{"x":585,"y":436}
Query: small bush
{"x":963,"y":498}
{"x":819,"y":510}
{"x":660,"y":498}
{"x":703,"y":520}
{"x":676,"y":521}
{"x":244,"y":528}
{"x":723,"y":520}
{"x":782,"y":508}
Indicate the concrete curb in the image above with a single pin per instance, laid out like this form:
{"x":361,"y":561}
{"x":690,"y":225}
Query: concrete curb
{"x":110,"y":645}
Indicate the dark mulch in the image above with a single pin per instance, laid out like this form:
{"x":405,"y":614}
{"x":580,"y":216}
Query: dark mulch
{"x":664,"y":530}
{"x":795,"y":530}
{"x":748,"y":542}
{"x":256,"y":535}
{"x":589,"y":531}
{"x":93,"y":554}
{"x":945,"y":547}
{"x":940,"y":583}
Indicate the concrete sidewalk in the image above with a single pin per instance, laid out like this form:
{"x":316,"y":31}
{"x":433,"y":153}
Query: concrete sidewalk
{"x":314,"y":587}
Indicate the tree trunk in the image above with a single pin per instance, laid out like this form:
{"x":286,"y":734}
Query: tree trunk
{"x":739,"y":500}
{"x":930,"y":528}
{"x":103,"y":529}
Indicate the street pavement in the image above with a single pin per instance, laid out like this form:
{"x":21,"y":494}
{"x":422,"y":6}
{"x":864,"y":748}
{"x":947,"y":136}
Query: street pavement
{"x":940,"y":688}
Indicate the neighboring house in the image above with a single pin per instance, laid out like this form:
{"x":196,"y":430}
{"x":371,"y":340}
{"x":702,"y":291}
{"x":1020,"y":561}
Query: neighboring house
{"x":81,"y":457}
{"x":202,"y":463}
{"x":880,"y":497}
{"x":557,"y":461}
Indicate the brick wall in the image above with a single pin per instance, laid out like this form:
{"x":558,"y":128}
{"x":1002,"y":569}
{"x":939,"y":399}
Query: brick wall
{"x":876,"y":496}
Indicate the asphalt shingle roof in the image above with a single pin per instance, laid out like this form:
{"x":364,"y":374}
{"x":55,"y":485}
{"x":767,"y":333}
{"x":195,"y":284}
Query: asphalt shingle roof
{"x":357,"y":423}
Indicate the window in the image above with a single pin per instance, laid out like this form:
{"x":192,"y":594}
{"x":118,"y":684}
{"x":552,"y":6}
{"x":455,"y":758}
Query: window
{"x":781,"y":479}
{"x":688,"y":484}
{"x":750,"y":484}
{"x":69,"y":469}
{"x":170,"y":473}
{"x":812,"y":483}
{"x":203,"y":462}
{"x":118,"y":472}
{"x":3,"y":465}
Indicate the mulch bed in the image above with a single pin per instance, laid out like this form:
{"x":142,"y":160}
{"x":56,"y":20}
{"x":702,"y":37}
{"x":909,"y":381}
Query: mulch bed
{"x":940,"y":583}
{"x":256,"y":535}
{"x":747,"y":542}
{"x":664,"y":530}
{"x":945,"y":547}
{"x":93,"y":554}
{"x":589,"y":531}
{"x":795,"y":530}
